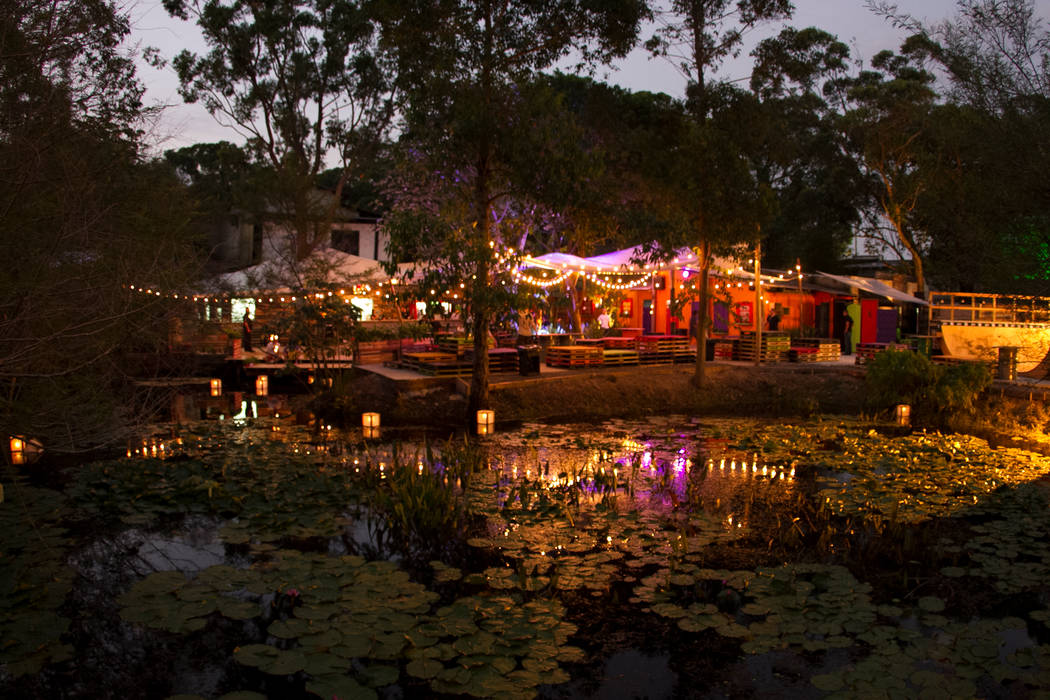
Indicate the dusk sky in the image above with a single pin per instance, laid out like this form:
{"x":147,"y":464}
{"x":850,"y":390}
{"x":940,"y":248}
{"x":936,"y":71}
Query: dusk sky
{"x":850,"y":20}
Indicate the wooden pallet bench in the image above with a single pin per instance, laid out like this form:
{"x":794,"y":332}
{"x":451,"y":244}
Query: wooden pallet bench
{"x":620,"y":343}
{"x":866,"y":352}
{"x":774,"y":347}
{"x":826,"y":349}
{"x":725,"y":349}
{"x":574,"y":356}
{"x":501,"y":360}
{"x":661,"y":349}
{"x":614,"y":358}
{"x":455,"y":344}
{"x":415,"y":360}
{"x":447,"y":369}
{"x":803,"y":354}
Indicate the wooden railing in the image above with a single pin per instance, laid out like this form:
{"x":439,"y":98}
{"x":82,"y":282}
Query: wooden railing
{"x":987,"y":308}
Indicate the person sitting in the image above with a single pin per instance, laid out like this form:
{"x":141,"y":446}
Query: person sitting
{"x":273,"y":350}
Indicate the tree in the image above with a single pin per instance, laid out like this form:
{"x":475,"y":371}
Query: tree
{"x":300,"y":81}
{"x":698,"y":35}
{"x":817,"y":185}
{"x":461,"y":82}
{"x":886,"y":123}
{"x":995,"y":52}
{"x":984,"y":208}
{"x":85,"y":214}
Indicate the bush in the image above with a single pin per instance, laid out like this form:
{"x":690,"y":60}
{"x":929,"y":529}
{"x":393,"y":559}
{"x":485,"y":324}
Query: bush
{"x":933,"y":391}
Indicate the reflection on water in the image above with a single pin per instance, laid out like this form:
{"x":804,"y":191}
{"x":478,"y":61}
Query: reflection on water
{"x":651,"y":464}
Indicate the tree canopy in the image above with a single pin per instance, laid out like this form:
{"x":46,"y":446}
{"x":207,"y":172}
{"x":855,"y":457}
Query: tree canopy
{"x":85,"y":215}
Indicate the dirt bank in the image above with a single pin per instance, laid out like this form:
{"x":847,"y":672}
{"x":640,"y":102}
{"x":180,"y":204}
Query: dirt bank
{"x":770,"y":391}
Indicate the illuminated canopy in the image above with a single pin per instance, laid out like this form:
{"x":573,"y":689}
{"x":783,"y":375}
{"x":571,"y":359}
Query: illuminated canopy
{"x":873,"y":286}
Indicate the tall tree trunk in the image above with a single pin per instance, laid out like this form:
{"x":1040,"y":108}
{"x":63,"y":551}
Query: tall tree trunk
{"x":760,"y":315}
{"x":575,"y":316}
{"x":478,"y":397}
{"x":702,"y":321}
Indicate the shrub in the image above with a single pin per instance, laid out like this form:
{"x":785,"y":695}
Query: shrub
{"x":933,"y":391}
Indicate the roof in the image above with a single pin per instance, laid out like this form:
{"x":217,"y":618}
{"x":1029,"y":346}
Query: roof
{"x":278,"y":275}
{"x":873,"y":286}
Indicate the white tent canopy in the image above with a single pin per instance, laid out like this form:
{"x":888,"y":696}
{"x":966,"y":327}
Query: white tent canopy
{"x":280,"y":275}
{"x":874,"y":286}
{"x":622,"y":261}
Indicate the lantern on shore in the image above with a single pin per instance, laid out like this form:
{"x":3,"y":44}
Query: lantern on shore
{"x":216,"y":387}
{"x":23,"y":451}
{"x":903,"y":414}
{"x":370,"y":420}
{"x":486,"y":421}
{"x":262,"y":385}
{"x":17,"y":446}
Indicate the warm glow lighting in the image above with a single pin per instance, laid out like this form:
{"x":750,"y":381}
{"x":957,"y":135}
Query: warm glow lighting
{"x":487,"y":420}
{"x":216,"y":387}
{"x":903,"y":414}
{"x":485,"y":429}
{"x":262,"y":385}
{"x":370,"y":420}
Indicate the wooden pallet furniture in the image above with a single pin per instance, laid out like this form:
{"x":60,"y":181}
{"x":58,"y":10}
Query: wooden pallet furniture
{"x":415,"y":360}
{"x":619,"y":358}
{"x":814,"y":350}
{"x":501,"y":360}
{"x":866,"y":352}
{"x":455,"y":368}
{"x":661,"y":349}
{"x":455,"y":344}
{"x":774,"y":346}
{"x":620,"y":343}
{"x":725,"y":349}
{"x":575,"y":356}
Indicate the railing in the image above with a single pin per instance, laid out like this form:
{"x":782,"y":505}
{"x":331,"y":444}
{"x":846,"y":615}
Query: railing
{"x":986,"y":309}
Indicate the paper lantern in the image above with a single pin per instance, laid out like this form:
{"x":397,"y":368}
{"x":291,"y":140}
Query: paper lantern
{"x":17,"y":446}
{"x":24,"y":451}
{"x":216,"y":387}
{"x":370,"y":420}
{"x":262,"y":385}
{"x":486,"y":421}
{"x":903,"y":414}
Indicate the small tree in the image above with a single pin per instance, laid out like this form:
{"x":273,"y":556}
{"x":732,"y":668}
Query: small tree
{"x":462,"y":66}
{"x":300,"y":81}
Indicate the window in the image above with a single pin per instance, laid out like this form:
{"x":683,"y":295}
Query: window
{"x":347,"y":240}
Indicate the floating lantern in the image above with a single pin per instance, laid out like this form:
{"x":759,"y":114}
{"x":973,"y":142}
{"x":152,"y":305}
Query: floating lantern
{"x":262,"y":385}
{"x":17,"y":446}
{"x":903,"y":414}
{"x":24,"y":451}
{"x":216,"y":387}
{"x":370,"y":420}
{"x":486,"y":422}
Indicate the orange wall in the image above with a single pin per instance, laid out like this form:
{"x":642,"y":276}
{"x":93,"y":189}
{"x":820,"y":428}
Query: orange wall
{"x":800,"y":309}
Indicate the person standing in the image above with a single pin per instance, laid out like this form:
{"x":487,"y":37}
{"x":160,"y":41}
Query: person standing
{"x":246,"y":331}
{"x":604,"y":320}
{"x":847,"y":333}
{"x":773,"y":320}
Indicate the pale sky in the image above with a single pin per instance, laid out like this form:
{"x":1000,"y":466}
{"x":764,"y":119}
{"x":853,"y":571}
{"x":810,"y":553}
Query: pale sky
{"x":182,"y":124}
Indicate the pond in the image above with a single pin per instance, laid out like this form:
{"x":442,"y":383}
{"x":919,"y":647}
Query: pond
{"x":254,"y":556}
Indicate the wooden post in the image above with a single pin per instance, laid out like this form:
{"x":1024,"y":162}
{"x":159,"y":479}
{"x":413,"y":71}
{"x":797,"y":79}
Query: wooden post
{"x":759,"y":314}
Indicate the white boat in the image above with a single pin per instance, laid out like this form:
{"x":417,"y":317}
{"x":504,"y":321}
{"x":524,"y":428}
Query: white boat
{"x":980,"y":340}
